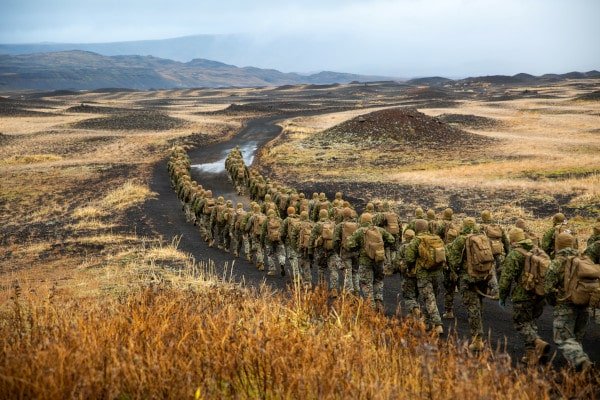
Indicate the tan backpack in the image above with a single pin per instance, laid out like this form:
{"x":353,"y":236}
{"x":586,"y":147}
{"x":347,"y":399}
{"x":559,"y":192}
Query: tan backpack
{"x":293,"y":224}
{"x":208,"y":206}
{"x":348,"y":229}
{"x":495,"y":234}
{"x":432,"y":252}
{"x":480,"y":258}
{"x":451,"y":231}
{"x":374,"y":244}
{"x":327,"y":234}
{"x":303,"y":206}
{"x":534,"y":270}
{"x":221,"y":209}
{"x":304,"y":235}
{"x":259,"y":220}
{"x":392,"y":224}
{"x":283,"y":202}
{"x":582,"y":281}
{"x":274,"y":229}
{"x":241,"y":173}
{"x":238,"y":219}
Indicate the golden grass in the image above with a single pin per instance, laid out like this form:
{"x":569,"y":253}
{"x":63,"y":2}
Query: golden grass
{"x":126,"y":196}
{"x":30,"y":159}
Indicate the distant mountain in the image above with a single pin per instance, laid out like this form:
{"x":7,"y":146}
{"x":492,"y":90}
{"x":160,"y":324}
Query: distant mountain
{"x":76,"y":70}
{"x":430,"y":81}
{"x":518,"y":79}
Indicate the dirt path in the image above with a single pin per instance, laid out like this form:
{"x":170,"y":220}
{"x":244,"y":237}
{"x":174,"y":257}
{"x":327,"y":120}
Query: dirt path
{"x":166,"y":218}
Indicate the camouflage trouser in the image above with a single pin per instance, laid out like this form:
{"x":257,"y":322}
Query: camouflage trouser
{"x":525,"y":315}
{"x":203,"y":227}
{"x":499,"y":260}
{"x":189,"y":214}
{"x":371,"y":282}
{"x":569,"y":325}
{"x":219,"y":235}
{"x":389,"y":264}
{"x":240,"y":240}
{"x":493,"y":282}
{"x":349,"y":264}
{"x":293,"y":257}
{"x":449,"y":290}
{"x":428,"y":288}
{"x":410,"y":292}
{"x":275,"y":255}
{"x":304,"y":266}
{"x":327,"y":260}
{"x":256,"y":250}
{"x":474,"y":304}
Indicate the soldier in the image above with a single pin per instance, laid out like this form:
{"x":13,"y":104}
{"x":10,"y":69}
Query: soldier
{"x":559,"y":224}
{"x":271,"y":239}
{"x":471,"y":287}
{"x":206,"y":206}
{"x":291,"y":225}
{"x":217,"y":222}
{"x":529,"y":234}
{"x":426,"y":255}
{"x":312,"y":203}
{"x":410,"y":291}
{"x":418,"y":215}
{"x":371,"y":241}
{"x":432,"y":222}
{"x":322,"y":204}
{"x":593,"y":245}
{"x":301,"y":235}
{"x":448,"y":230}
{"x":338,"y":201}
{"x":238,"y":235}
{"x":390,"y":221}
{"x":322,"y":247}
{"x":570,"y":320}
{"x":226,"y":231}
{"x":268,"y":204}
{"x":527,"y":304}
{"x":348,"y":259}
{"x":500,"y":245}
{"x":254,"y":223}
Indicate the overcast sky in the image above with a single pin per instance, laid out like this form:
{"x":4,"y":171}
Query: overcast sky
{"x":401,"y":38}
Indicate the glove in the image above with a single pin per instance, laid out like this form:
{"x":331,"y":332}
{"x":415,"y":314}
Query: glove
{"x":502,"y":303}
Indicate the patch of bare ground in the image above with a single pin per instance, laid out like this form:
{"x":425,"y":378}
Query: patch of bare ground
{"x":148,"y":121}
{"x":469,"y":121}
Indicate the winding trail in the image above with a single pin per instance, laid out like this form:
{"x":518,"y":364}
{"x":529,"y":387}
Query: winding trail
{"x":167,"y":219}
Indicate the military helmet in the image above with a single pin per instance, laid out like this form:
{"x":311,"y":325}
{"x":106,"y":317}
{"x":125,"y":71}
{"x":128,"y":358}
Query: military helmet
{"x":419,"y":212}
{"x":229,"y":203}
{"x":240,"y":206}
{"x":430,"y":214}
{"x":291,"y":210}
{"x":194,"y":183}
{"x":421,"y":226}
{"x":267,"y":197}
{"x":408,"y":234}
{"x":366,"y":218}
{"x":323,"y":214}
{"x":315,"y":195}
{"x":256,"y":208}
{"x":486,"y":216}
{"x":322,"y":196}
{"x":270,"y":212}
{"x":520,"y":223}
{"x":515,"y":235}
{"x":448,"y":214}
{"x":558,"y":218}
{"x":208,"y":193}
{"x":564,"y":240}
{"x":304,"y":215}
{"x":302,"y":195}
{"x":220,"y":199}
{"x":370,"y":207}
{"x":347,"y":213}
{"x":469,"y":222}
{"x":338,"y":195}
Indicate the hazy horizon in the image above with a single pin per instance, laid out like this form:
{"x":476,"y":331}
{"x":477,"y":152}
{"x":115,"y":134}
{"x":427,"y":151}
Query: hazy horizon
{"x":406,"y":38}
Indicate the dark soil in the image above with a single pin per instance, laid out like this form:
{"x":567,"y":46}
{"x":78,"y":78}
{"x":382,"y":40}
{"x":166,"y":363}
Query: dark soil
{"x":147,"y":121}
{"x":16,"y":108}
{"x":88,"y":109}
{"x":593,"y":96}
{"x":469,"y":121}
{"x":402,"y":126}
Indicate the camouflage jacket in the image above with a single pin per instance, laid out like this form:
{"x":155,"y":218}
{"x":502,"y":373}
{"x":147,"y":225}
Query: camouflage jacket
{"x":548,"y":241}
{"x":555,"y":277}
{"x":264,"y":236}
{"x":456,"y":255}
{"x":316,"y":233}
{"x":357,"y":241}
{"x":504,"y":239}
{"x":593,"y":249}
{"x":411,"y":256}
{"x":337,"y":236}
{"x":287,"y":234}
{"x":512,"y":269}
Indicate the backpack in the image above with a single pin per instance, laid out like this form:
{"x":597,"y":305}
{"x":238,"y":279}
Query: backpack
{"x":534,"y":270}
{"x":451,"y":231}
{"x":259,"y":220}
{"x":374,"y":244}
{"x":557,"y":231}
{"x":582,"y":281}
{"x":323,"y":205}
{"x":304,"y":234}
{"x":348,"y":228}
{"x":303,"y":206}
{"x":327,"y":235}
{"x":480,"y":258}
{"x":239,"y":218}
{"x":221,"y":209}
{"x":293,"y":224}
{"x":391,"y":223}
{"x":432,"y":252}
{"x":274,"y":229}
{"x":208,"y":206}
{"x":283,"y":201}
{"x":494,"y":233}
{"x":241,"y":173}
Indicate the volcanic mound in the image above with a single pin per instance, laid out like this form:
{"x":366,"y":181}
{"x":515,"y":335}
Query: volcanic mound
{"x":147,"y":121}
{"x":402,"y":127}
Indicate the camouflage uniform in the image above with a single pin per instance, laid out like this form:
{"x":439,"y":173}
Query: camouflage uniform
{"x":486,"y":221}
{"x":239,"y":236}
{"x":527,"y":305}
{"x":427,"y":280}
{"x":570,"y":320}
{"x":348,"y":259}
{"x":290,"y":237}
{"x":325,"y":259}
{"x":549,"y":237}
{"x":253,"y":229}
{"x":381,"y":220}
{"x":305,"y":258}
{"x":206,"y":210}
{"x":322,"y":204}
{"x":410,"y":291}
{"x":593,"y":245}
{"x":446,"y":230}
{"x":432,"y":222}
{"x":370,"y":271}
{"x":217,"y":222}
{"x":529,"y":234}
{"x":470,"y":287}
{"x":274,"y":248}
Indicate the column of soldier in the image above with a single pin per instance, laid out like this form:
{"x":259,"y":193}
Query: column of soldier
{"x":479,"y":259}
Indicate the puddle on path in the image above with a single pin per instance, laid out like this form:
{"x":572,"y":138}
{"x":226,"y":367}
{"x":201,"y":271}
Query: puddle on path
{"x":248,"y":150}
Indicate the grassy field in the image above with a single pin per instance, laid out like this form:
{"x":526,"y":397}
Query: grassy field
{"x":92,"y":307}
